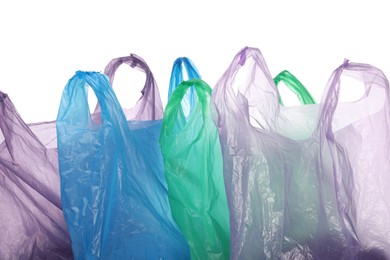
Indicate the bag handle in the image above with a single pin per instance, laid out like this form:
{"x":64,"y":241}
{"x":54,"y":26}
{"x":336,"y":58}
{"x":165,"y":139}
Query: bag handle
{"x":295,"y":86}
{"x":173,"y":109}
{"x":258,"y":101}
{"x":370,"y":76}
{"x":177,"y":78}
{"x":149,"y":106}
{"x":74,"y":110}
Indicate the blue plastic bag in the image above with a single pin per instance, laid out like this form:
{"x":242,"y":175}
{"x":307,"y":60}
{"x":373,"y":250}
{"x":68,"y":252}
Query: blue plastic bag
{"x":113,"y":196}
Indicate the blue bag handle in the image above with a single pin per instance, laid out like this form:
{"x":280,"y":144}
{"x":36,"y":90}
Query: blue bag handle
{"x":177,"y":78}
{"x":74,"y":110}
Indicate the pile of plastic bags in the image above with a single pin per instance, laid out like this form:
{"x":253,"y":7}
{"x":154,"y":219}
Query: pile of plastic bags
{"x":222,"y":172}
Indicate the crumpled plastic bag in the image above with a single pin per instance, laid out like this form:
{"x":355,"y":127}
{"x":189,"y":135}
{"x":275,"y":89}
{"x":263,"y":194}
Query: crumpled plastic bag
{"x":360,"y":129}
{"x":194,"y":173}
{"x":31,"y":220}
{"x":279,"y":171}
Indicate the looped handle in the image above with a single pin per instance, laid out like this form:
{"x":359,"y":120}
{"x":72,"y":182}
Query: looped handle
{"x":173,"y":108}
{"x":295,"y":86}
{"x":74,"y":111}
{"x":177,"y":78}
{"x":149,"y":106}
{"x":370,"y":76}
{"x":257,"y":99}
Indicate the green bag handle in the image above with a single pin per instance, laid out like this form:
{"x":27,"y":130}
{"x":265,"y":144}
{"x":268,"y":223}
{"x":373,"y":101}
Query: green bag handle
{"x":295,"y":86}
{"x":203,"y":93}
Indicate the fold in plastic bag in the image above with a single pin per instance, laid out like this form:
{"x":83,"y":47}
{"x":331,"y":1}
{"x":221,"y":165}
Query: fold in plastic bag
{"x":112,"y":186}
{"x":193,"y":169}
{"x":31,"y":220}
{"x":278,"y":170}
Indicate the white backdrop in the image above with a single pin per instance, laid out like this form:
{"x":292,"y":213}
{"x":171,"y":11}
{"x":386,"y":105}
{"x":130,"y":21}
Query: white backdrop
{"x":42,"y":43}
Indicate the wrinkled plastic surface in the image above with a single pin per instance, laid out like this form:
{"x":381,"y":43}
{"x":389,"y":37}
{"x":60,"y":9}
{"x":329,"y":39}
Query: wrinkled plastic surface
{"x":279,"y":171}
{"x":113,"y":192}
{"x":31,"y":220}
{"x":361,"y":129}
{"x":193,"y":168}
{"x":293,"y":84}
{"x":188,"y":101}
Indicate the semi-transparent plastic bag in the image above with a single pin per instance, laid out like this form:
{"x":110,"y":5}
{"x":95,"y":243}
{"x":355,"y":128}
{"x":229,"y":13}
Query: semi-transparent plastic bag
{"x":112,"y":178}
{"x":361,"y":129}
{"x":278,"y":170}
{"x":193,"y":168}
{"x":31,"y":219}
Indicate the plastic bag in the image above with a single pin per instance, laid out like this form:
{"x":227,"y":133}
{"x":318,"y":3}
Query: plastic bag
{"x":113,"y":191}
{"x":361,"y":130}
{"x":278,"y":171}
{"x":31,"y":220}
{"x":193,"y":169}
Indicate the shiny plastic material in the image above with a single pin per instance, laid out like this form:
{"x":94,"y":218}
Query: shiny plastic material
{"x":279,"y":171}
{"x":193,"y":168}
{"x":113,"y":192}
{"x":363,"y":134}
{"x":177,"y":77}
{"x":32,"y":224}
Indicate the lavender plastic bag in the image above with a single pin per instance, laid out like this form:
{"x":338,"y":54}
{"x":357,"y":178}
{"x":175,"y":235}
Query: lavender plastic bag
{"x":31,"y":220}
{"x":278,"y":171}
{"x":361,"y":130}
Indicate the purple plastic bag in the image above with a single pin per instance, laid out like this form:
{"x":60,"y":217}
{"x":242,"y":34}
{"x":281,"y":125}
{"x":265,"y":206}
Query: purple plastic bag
{"x":278,"y":171}
{"x":361,"y":129}
{"x":31,"y":220}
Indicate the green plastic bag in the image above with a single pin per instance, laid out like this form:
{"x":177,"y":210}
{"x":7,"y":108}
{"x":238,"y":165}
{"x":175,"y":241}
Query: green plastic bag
{"x":193,"y":169}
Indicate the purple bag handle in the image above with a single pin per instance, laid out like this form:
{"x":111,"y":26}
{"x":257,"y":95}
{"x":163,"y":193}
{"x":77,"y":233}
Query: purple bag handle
{"x":26,"y":141}
{"x":369,"y":75}
{"x":149,"y":106}
{"x":266,"y":94}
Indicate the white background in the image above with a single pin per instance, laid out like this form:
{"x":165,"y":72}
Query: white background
{"x":42,"y":43}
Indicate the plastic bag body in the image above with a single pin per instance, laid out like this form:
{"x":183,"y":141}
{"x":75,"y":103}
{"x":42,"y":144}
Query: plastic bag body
{"x":279,"y":172}
{"x":194,"y":173}
{"x":111,"y":178}
{"x":31,"y":219}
